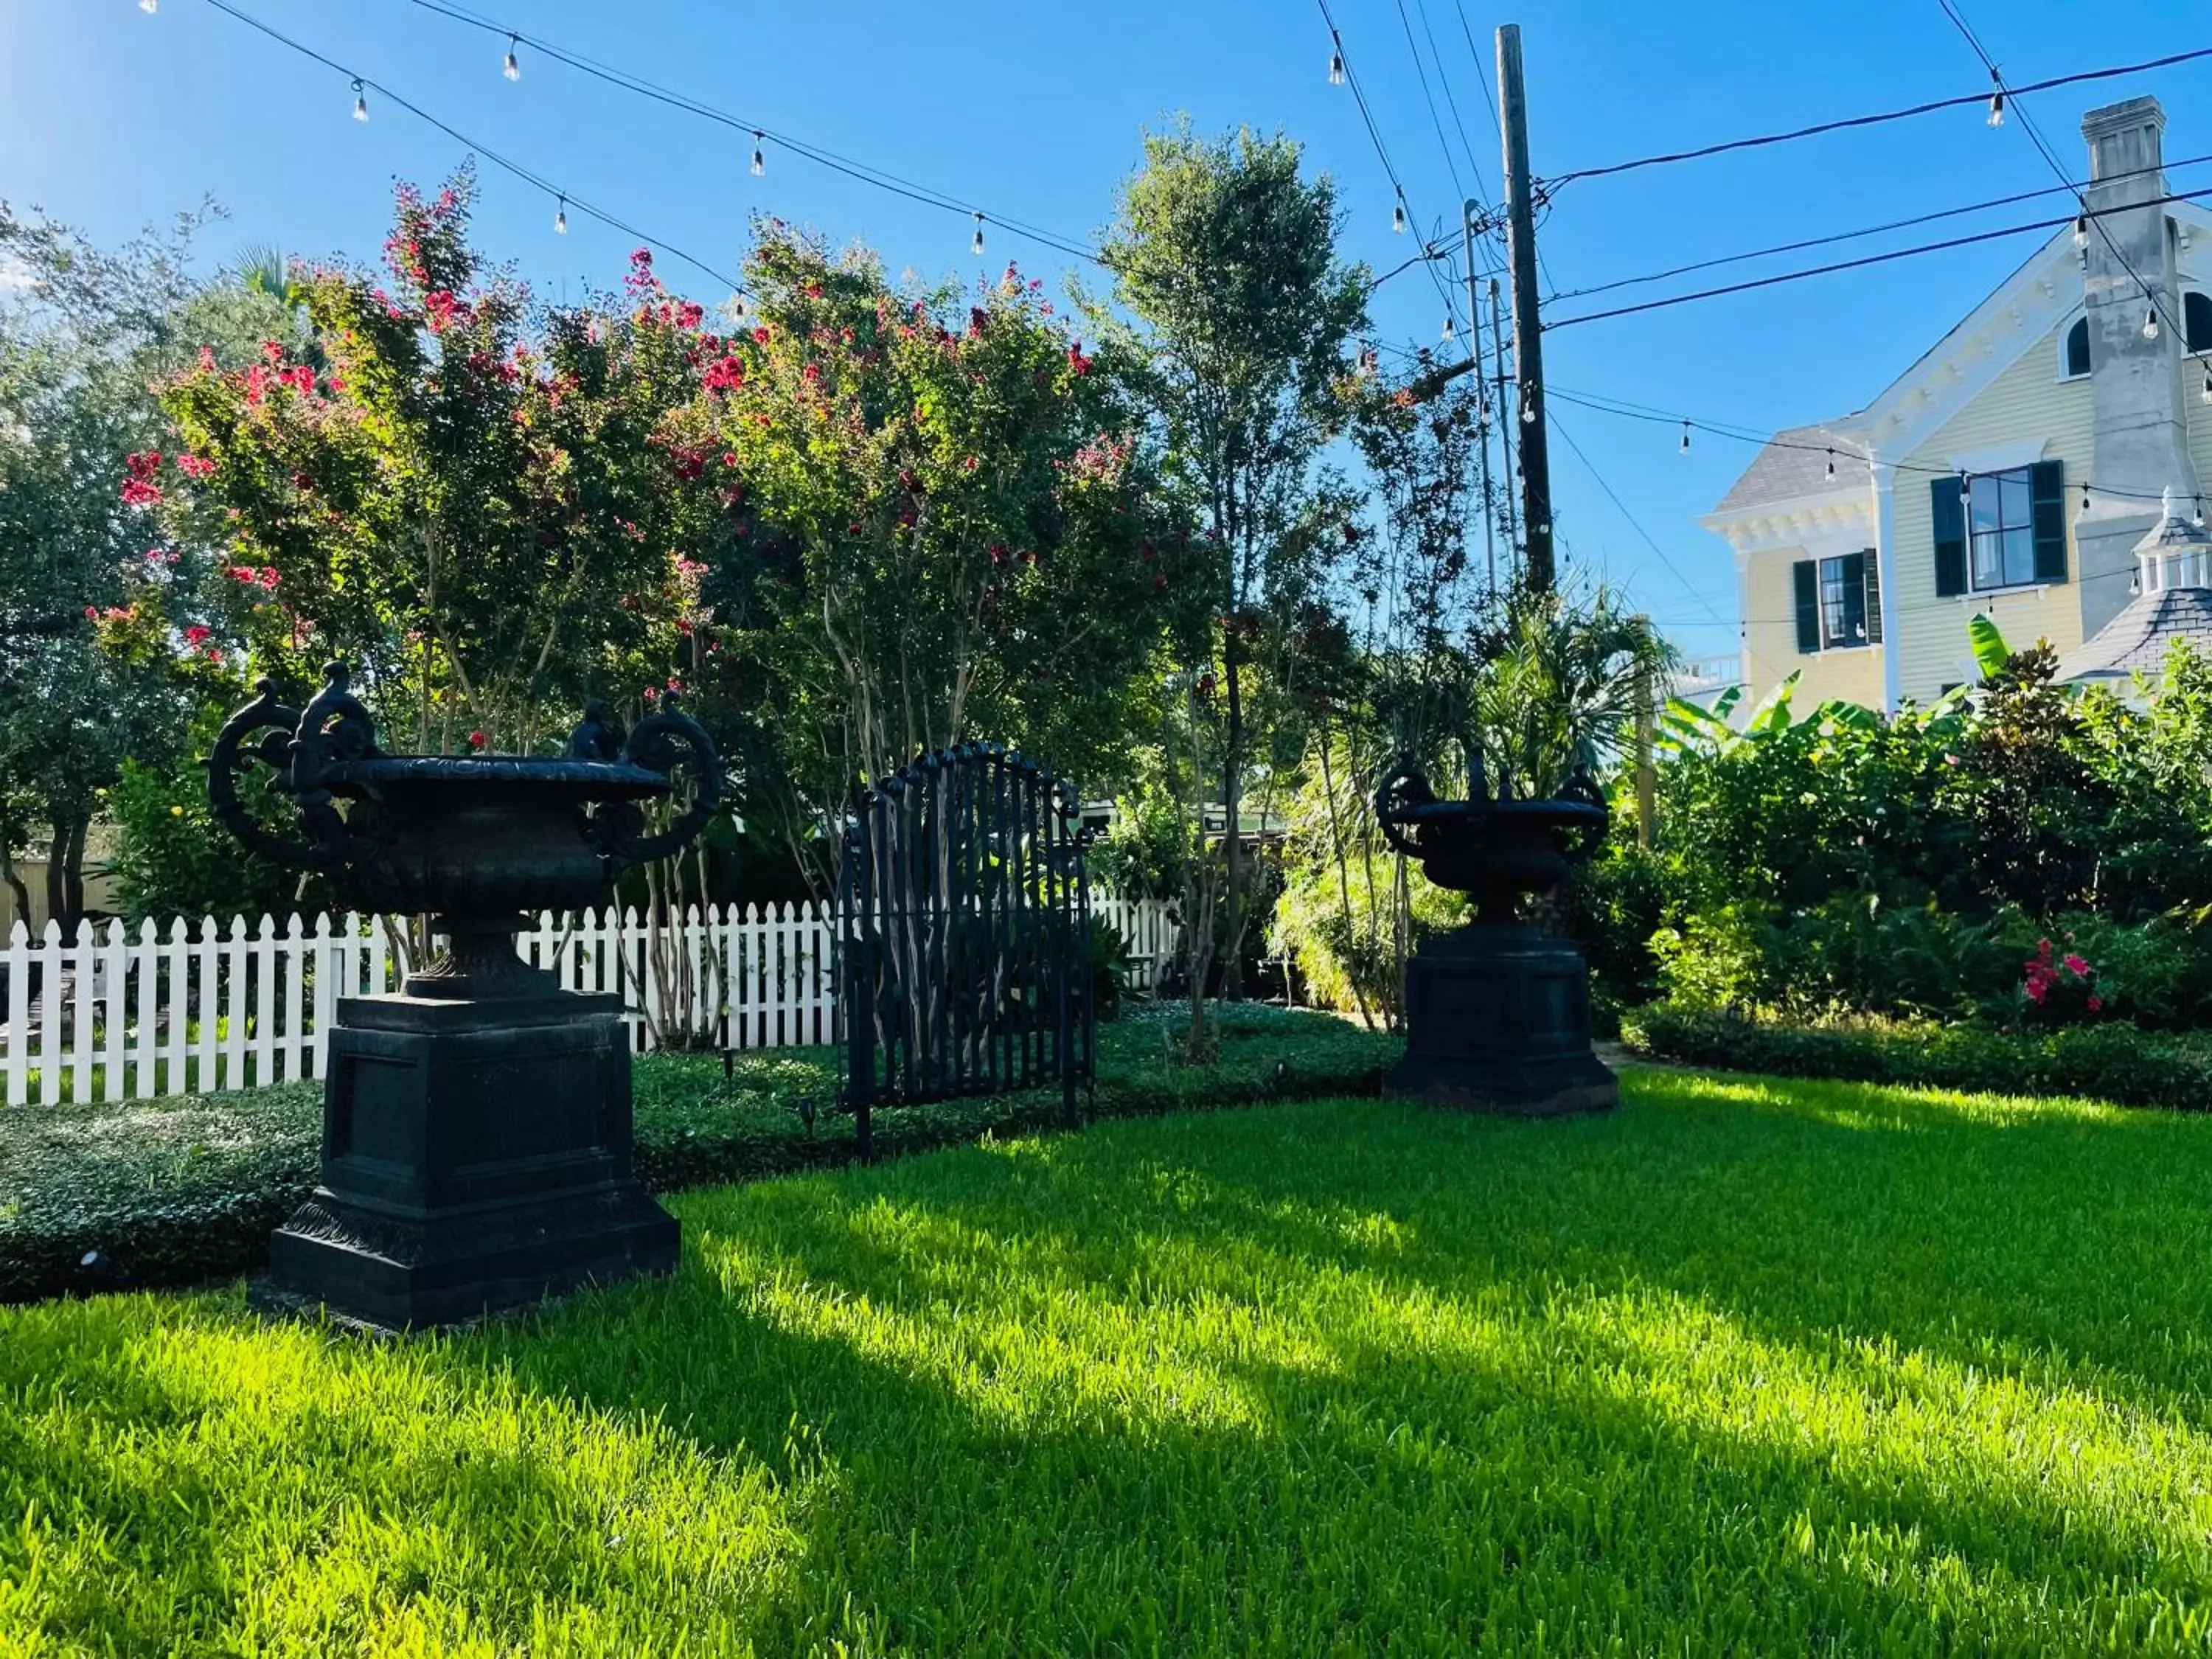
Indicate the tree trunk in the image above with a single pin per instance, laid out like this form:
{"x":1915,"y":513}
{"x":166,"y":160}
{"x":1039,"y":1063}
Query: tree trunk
{"x":64,"y":878}
{"x":1232,"y":764}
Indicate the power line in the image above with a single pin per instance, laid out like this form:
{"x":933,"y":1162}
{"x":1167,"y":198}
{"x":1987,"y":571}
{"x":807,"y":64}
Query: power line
{"x":569,"y":199}
{"x":1474,"y":166}
{"x":860,"y":171}
{"x":2156,"y":299}
{"x":2069,"y":188}
{"x":1872,"y":260}
{"x":1634,"y":523}
{"x":1850,"y":122}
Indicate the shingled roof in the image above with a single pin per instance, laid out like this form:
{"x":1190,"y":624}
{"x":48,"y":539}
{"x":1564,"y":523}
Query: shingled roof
{"x":1794,"y":464}
{"x":2136,"y":641}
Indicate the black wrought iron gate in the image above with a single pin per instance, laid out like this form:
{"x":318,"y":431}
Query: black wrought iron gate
{"x":963,"y":935}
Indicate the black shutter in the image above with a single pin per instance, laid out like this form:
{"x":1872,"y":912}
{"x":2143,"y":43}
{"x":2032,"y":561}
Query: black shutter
{"x":1807,"y":576}
{"x":1873,"y":596}
{"x":1948,"y":516}
{"x":2047,"y":482}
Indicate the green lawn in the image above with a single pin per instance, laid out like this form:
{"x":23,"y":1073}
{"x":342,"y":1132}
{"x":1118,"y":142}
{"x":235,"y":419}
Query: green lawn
{"x":1748,"y":1367}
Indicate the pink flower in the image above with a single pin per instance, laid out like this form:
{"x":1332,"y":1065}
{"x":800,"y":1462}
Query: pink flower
{"x":2076,"y":966}
{"x":214,"y":655}
{"x":272,"y":352}
{"x":92,"y":613}
{"x":2096,"y":1005}
{"x":207,"y":360}
{"x":269,"y":578}
{"x":195,"y":466}
{"x":760,"y":335}
{"x":2037,"y":990}
{"x":196,"y":635}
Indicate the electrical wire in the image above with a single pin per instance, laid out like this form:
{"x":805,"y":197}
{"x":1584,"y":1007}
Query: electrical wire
{"x":1634,"y":523}
{"x":1452,"y":102}
{"x":2069,"y":188}
{"x":569,"y":199}
{"x":1894,"y":254}
{"x":1855,"y":121}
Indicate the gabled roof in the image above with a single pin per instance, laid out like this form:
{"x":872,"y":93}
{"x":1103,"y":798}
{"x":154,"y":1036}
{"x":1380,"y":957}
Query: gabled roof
{"x":1794,"y":465}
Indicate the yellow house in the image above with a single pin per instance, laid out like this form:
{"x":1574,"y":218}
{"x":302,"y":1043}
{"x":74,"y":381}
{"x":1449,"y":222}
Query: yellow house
{"x":2012,"y":468}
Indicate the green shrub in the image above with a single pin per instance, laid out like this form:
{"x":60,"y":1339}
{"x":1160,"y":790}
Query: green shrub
{"x":2112,"y":1062}
{"x":169,"y":1192}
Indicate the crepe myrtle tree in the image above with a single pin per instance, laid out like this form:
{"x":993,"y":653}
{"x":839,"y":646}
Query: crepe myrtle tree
{"x":487,"y":506}
{"x":953,"y":532}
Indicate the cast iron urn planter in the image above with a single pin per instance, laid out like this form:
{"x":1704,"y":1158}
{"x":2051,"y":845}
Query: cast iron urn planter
{"x":476,"y":1125}
{"x":1498,"y":1011}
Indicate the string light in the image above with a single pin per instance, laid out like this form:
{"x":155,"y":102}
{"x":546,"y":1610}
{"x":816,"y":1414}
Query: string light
{"x":976,"y":246}
{"x":511,"y":68}
{"x":760,"y":161}
{"x":1398,"y":219}
{"x":2150,"y":324}
{"x":2082,"y":230}
{"x":1336,"y":66}
{"x":1527,"y":413}
{"x":2198,"y":520}
{"x":561,"y":218}
{"x":1448,"y":328}
{"x":2207,"y":393}
{"x":360,"y":101}
{"x":1686,"y":438}
{"x":2134,"y":581}
{"x":1996,"y":102}
{"x":1966,"y":487}
{"x":1832,"y":466}
{"x":2084,"y":512}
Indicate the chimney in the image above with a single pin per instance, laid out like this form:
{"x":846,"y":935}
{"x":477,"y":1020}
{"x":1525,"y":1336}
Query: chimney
{"x":2128,"y":278}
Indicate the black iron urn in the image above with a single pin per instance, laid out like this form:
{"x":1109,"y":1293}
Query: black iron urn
{"x":476,"y":1148}
{"x":1498,"y":1011}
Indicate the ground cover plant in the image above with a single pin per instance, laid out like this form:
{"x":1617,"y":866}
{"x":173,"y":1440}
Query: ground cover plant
{"x":174,"y":1191}
{"x":1749,"y":1366}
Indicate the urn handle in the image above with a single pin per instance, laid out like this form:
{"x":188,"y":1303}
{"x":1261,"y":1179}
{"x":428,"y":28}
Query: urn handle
{"x":1402,"y":789}
{"x":662,"y":742}
{"x":264,"y":714}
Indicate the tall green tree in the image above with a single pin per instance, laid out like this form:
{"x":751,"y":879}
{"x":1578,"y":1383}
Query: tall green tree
{"x":1228,"y":286}
{"x":83,"y":334}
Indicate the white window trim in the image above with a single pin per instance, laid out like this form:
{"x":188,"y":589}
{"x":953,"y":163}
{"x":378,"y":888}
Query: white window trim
{"x":2065,"y":329}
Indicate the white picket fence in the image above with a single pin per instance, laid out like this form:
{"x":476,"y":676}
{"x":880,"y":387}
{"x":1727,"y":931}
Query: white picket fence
{"x":134,"y":1014}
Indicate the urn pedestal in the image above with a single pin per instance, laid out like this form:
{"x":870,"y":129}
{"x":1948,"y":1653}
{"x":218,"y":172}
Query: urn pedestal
{"x":1498,"y":1020}
{"x":476,"y":1156}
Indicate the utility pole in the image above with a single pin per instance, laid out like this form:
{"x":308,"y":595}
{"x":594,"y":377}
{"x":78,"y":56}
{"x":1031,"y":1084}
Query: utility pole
{"x":1486,"y":410}
{"x":1647,"y":773}
{"x":1503,"y":405}
{"x":1527,"y":348}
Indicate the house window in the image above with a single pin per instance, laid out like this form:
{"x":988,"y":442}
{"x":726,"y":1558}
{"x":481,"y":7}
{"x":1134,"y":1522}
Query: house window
{"x":2001,"y":529}
{"x":2196,"y":320}
{"x":2077,"y":349}
{"x":1844,"y":601}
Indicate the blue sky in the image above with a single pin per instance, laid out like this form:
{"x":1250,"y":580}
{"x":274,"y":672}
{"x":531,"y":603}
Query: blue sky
{"x":111,"y":119}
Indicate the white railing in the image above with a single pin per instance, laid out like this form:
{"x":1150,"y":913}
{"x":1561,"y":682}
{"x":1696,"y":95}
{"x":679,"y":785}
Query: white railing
{"x":134,"y":1013}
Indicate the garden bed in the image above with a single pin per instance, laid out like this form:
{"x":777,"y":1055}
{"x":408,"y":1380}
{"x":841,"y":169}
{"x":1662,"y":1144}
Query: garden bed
{"x":170,"y":1192}
{"x":2110,"y":1062}
{"x":1749,"y":1366}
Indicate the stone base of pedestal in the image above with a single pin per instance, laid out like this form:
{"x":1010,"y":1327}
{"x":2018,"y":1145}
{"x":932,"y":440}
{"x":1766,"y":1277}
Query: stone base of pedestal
{"x":1498,"y":1020}
{"x":476,"y":1156}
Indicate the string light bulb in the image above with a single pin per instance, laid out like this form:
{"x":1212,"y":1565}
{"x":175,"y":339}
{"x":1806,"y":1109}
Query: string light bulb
{"x":1528,"y":412}
{"x":1336,"y":69}
{"x":2207,"y":393}
{"x":149,"y":6}
{"x":1996,"y":102}
{"x":2134,"y":581}
{"x":1966,"y":488}
{"x":760,"y":161}
{"x":2081,"y":230}
{"x":2150,"y":323}
{"x":738,"y":307}
{"x":976,"y":246}
{"x":561,"y":218}
{"x":1448,"y":331}
{"x":2083,"y":512}
{"x":512,"y":70}
{"x":1398,"y":219}
{"x":1832,"y":466}
{"x":2197,"y":522}
{"x":360,"y":101}
{"x":1686,"y":438}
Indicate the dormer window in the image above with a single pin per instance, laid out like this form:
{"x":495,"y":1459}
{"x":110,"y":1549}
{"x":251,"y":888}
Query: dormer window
{"x":2196,"y":321}
{"x":2076,"y":358}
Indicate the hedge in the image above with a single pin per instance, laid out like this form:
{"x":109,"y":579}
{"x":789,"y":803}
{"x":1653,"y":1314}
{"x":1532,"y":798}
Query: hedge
{"x":152,"y":1193}
{"x":2111,"y":1062}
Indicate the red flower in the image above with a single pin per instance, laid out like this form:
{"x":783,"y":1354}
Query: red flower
{"x":2075,"y":965}
{"x":852,"y":530}
{"x":812,"y":372}
{"x":760,"y":335}
{"x":195,"y":466}
{"x":207,"y":360}
{"x":814,"y":290}
{"x":214,"y":653}
{"x":269,"y":578}
{"x":1077,"y":360}
{"x":92,"y":613}
{"x":1160,"y":581}
{"x":196,"y":635}
{"x":477,"y":739}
